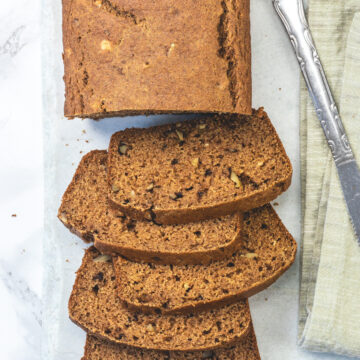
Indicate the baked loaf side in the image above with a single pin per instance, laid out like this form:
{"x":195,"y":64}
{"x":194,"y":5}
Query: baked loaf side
{"x":197,"y":169}
{"x":267,"y":251}
{"x":95,"y":306}
{"x":96,"y":349}
{"x":85,"y":211}
{"x":164,"y":57}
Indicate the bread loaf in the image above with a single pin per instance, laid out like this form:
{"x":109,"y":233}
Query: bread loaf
{"x":267,"y":251}
{"x":85,"y":211}
{"x":245,"y":349}
{"x":198,"y":169}
{"x":95,"y":306}
{"x":131,"y":57}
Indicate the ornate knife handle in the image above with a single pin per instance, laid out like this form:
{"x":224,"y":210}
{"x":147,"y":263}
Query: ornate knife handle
{"x":292,"y":14}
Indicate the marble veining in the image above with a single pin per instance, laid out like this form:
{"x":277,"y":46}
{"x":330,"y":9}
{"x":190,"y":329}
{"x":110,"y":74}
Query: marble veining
{"x":14,"y":43}
{"x":20,"y":289}
{"x":21,"y":177}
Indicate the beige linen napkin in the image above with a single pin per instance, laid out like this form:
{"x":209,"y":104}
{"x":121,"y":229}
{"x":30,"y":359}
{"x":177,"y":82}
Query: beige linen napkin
{"x":329,"y":317}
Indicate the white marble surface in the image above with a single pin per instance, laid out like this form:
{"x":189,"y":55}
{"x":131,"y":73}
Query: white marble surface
{"x":276,"y":87}
{"x":21,"y":179}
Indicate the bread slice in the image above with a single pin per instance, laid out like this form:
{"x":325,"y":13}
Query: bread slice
{"x":266,"y":252}
{"x":95,"y":306}
{"x":245,"y":349}
{"x":197,"y":169}
{"x":131,"y":57}
{"x":84,"y":209}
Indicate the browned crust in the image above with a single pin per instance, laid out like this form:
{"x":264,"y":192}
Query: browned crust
{"x":145,"y":112}
{"x":97,"y":333}
{"x":70,"y":105}
{"x":242,"y":56}
{"x":183,"y":216}
{"x":195,"y":214}
{"x":202,"y":305}
{"x":86,"y":236}
{"x":245,"y":51}
{"x":166,"y":257}
{"x":256,"y":346}
{"x":238,"y":58}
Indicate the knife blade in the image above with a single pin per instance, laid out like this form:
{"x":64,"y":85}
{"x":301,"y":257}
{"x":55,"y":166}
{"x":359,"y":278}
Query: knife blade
{"x":292,"y":15}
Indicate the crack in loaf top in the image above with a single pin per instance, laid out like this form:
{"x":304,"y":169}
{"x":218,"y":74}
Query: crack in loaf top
{"x":197,"y":169}
{"x":126,"y":57}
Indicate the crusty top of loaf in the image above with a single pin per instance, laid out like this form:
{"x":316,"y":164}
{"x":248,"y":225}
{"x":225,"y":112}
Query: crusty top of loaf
{"x":267,"y":250}
{"x":95,"y":306}
{"x":84,"y":209}
{"x":197,"y":169}
{"x":245,"y":349}
{"x":125,"y":57}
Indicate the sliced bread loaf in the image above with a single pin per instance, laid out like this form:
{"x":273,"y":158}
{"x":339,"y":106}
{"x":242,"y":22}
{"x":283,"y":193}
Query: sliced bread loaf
{"x":84,"y":209}
{"x":197,"y":169}
{"x":267,"y":250}
{"x":95,"y":306}
{"x":245,"y":349}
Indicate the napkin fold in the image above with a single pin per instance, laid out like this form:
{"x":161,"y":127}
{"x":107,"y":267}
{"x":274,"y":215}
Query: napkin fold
{"x":329,"y":318}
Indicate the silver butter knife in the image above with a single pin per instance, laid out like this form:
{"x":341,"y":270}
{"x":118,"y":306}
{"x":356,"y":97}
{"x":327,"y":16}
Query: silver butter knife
{"x":291,"y":13}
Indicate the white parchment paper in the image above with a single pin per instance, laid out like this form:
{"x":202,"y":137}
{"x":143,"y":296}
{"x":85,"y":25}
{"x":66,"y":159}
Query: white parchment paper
{"x":275,"y":86}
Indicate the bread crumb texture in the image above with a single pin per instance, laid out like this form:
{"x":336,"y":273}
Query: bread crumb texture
{"x":85,"y":210}
{"x":95,"y":306}
{"x":267,"y":250}
{"x":245,"y":349}
{"x":197,"y":169}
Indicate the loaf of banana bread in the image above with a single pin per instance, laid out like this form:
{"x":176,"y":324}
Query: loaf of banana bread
{"x":128,"y":57}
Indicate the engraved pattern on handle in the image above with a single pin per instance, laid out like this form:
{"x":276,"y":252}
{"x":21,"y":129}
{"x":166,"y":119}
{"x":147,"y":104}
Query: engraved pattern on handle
{"x":292,"y":14}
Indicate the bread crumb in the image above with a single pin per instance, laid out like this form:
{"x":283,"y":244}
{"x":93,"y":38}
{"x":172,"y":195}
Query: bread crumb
{"x":81,"y":151}
{"x":66,"y":144}
{"x":84,"y":131}
{"x":13,"y":215}
{"x":276,"y":204}
{"x":67,"y":260}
